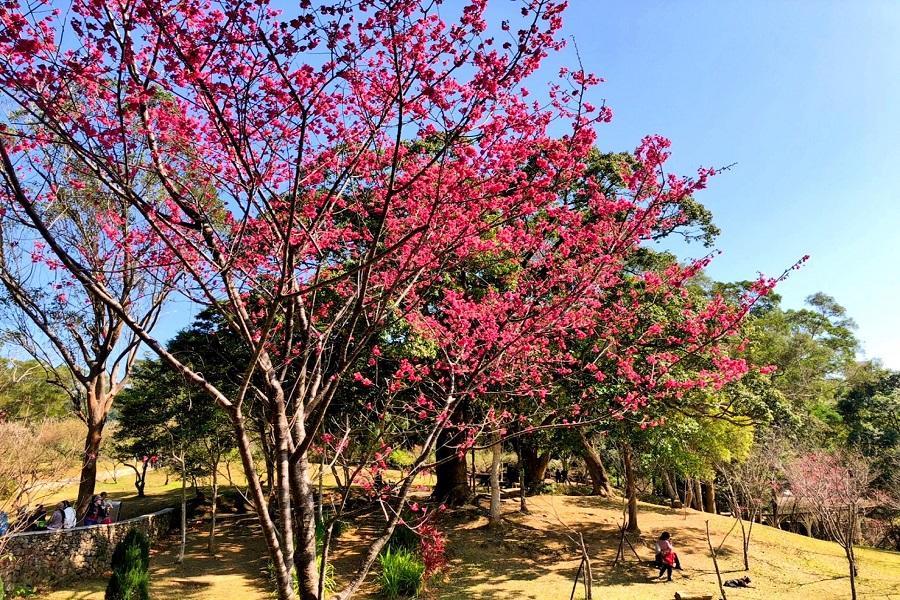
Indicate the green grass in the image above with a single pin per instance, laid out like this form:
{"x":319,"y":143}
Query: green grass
{"x":401,"y":574}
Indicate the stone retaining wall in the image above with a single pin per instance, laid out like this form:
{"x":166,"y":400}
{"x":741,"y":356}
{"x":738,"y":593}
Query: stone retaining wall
{"x":51,"y":557}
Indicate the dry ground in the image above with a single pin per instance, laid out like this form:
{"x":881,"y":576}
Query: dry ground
{"x":534,"y":559}
{"x":531,"y":558}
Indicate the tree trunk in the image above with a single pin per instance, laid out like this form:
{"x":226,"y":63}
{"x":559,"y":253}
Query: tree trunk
{"x":593,"y":461}
{"x":213,"y":508}
{"x":630,"y":488}
{"x":851,"y":561}
{"x":697,"y":496}
{"x":523,"y":505}
{"x":88,"y":480}
{"x":283,"y":581}
{"x":267,"y":455}
{"x":534,"y":465}
{"x":496,"y":453}
{"x":180,"y":558}
{"x":709,"y":497}
{"x":669,"y":487}
{"x":452,"y":484}
{"x":688,"y":492}
{"x":141,"y":482}
{"x":305,"y":552}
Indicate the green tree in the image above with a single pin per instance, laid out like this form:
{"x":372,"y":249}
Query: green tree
{"x":870,"y":408}
{"x":28,"y":391}
{"x":160,"y":416}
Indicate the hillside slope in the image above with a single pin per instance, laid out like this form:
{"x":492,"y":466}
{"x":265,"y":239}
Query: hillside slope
{"x":533,"y":558}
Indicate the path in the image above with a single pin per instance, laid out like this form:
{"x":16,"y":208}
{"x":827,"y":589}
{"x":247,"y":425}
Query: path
{"x":237,"y":573}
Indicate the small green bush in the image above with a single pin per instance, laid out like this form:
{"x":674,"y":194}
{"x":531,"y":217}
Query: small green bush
{"x":130,"y":562}
{"x":135,"y":546}
{"x":402,"y":574}
{"x":2,"y":590}
{"x":401,"y":459}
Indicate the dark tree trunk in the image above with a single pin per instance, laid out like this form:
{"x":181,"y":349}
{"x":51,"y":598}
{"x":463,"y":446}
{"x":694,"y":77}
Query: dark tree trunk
{"x":452,"y":484}
{"x":534,"y":465}
{"x":630,"y":488}
{"x":594,"y":463}
{"x":709,"y":497}
{"x":140,"y":479}
{"x":88,"y":481}
{"x":305,"y":551}
{"x":697,"y":497}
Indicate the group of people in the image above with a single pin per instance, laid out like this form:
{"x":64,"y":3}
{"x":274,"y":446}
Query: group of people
{"x":63,"y":516}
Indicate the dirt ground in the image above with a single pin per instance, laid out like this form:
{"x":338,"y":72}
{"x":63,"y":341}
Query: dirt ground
{"x":533,"y":557}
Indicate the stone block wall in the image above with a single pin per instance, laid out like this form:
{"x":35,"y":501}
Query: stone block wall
{"x":43,"y":558}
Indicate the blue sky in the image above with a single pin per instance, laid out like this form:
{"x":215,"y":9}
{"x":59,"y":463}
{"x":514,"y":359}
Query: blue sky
{"x":805,"y":97}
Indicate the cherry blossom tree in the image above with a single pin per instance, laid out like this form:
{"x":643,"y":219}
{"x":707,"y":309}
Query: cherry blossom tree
{"x":347,"y":177}
{"x":835,"y":487}
{"x":55,"y":318}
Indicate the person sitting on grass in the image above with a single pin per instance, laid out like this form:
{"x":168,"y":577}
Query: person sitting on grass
{"x":666,"y":558}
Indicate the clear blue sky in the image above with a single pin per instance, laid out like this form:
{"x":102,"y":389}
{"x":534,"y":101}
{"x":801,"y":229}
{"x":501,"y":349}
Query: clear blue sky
{"x":805,"y":97}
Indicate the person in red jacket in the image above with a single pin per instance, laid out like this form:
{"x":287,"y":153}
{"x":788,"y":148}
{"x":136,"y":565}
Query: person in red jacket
{"x":666,"y":558}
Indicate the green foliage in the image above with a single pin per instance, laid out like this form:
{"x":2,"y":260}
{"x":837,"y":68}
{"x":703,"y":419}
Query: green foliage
{"x":130,"y":563}
{"x":29,"y":391}
{"x":159,"y":414}
{"x":870,"y":409}
{"x":402,"y":574}
{"x":134,"y":547}
{"x":22,"y":590}
{"x":401,"y":458}
{"x":330,"y":584}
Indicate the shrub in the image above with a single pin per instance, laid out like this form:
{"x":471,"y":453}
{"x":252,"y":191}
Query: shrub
{"x":330,"y":582}
{"x":133,"y":542}
{"x":433,"y":549}
{"x":401,"y":459}
{"x":402,"y":574}
{"x":130,"y":562}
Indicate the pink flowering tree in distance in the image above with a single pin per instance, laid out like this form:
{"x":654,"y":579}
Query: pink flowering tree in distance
{"x":53,"y":316}
{"x":835,"y":488}
{"x":335,"y":178}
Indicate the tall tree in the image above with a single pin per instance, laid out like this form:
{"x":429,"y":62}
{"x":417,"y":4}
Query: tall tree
{"x":870,"y":408}
{"x":316,"y":201}
{"x":63,"y":324}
